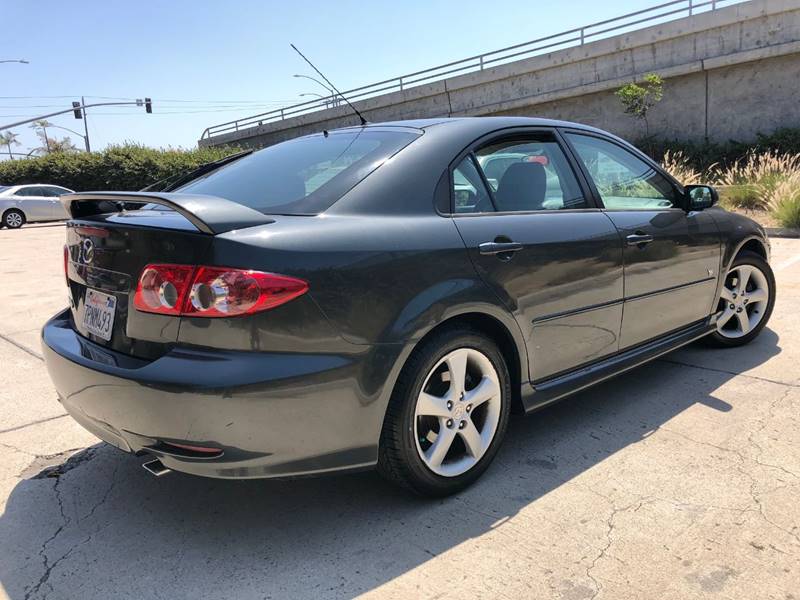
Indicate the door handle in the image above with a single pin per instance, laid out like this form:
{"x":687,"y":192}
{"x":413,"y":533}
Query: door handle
{"x":639,"y":239}
{"x":494,"y":248}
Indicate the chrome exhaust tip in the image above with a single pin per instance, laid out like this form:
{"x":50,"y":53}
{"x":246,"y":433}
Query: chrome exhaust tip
{"x":155,"y":467}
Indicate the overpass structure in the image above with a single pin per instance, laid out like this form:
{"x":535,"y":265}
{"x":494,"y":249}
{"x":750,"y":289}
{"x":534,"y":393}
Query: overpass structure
{"x":731,"y":71}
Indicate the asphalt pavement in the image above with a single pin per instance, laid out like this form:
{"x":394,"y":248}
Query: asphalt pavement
{"x":677,"y":480}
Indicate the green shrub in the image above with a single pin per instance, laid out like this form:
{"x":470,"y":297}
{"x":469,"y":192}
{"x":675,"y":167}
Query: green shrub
{"x":788,"y":212}
{"x":701,"y":155}
{"x":784,"y":201}
{"x":744,"y":196}
{"x":127,"y":168}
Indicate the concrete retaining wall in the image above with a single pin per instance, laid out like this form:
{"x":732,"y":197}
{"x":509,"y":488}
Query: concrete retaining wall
{"x":729,"y":74}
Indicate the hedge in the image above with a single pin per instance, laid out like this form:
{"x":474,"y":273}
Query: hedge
{"x":131,"y":167}
{"x":128,"y":168}
{"x":702,"y":155}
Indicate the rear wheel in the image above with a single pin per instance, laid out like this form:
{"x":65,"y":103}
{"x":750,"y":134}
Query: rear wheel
{"x":13,"y":218}
{"x":746,"y":301}
{"x":448,"y":414}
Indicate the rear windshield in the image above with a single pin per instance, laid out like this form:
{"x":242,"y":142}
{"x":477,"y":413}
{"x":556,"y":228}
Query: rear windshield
{"x":302,"y":176}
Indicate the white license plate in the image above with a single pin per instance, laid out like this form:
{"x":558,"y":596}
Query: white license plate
{"x":98,"y":313}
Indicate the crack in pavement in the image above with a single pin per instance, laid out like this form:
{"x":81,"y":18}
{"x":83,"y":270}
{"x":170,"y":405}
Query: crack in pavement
{"x":609,"y":540}
{"x":56,"y":472}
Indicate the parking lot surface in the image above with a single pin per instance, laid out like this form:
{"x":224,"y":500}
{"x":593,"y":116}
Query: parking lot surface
{"x":679,"y":479}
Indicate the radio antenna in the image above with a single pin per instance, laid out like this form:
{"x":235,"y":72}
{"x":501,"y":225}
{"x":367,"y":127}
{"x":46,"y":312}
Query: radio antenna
{"x":354,"y":109}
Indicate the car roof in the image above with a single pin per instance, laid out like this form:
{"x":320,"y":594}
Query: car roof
{"x":461,"y":130}
{"x":490,"y":123}
{"x":27,"y":185}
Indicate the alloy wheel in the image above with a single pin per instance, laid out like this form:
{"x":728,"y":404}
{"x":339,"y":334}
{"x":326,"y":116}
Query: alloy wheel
{"x":743,"y":301}
{"x":457,"y":412}
{"x":14,"y":220}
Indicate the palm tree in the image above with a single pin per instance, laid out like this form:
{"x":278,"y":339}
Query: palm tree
{"x":63,"y":145}
{"x":42,"y":124}
{"x":8,"y":138}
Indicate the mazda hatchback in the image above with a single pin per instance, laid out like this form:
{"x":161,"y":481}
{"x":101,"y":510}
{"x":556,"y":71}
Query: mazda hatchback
{"x":387,"y":296}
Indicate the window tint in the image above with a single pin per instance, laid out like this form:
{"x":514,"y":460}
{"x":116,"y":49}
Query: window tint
{"x":302,"y":176}
{"x":469,"y":192}
{"x":530,"y":174}
{"x":623,"y":180}
{"x":29,"y":191}
{"x":54,"y":190}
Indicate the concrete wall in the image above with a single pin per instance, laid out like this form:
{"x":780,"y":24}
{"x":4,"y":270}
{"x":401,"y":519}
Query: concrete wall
{"x":729,"y":74}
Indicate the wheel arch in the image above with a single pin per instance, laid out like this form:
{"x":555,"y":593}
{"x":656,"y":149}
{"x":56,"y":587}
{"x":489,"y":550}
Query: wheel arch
{"x":754,"y":245}
{"x":507,"y":337}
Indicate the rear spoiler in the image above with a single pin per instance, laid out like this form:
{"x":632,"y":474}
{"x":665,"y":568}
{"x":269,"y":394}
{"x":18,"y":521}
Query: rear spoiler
{"x":210,"y":214}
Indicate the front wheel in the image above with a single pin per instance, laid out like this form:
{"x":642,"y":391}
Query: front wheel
{"x":448,"y":414}
{"x":746,"y":301}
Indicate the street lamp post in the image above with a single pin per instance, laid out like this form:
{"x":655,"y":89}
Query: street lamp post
{"x":332,"y":93}
{"x":325,"y":99}
{"x":85,"y":137}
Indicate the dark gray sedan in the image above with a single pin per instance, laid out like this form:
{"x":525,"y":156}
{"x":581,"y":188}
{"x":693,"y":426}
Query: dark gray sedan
{"x":387,"y":296}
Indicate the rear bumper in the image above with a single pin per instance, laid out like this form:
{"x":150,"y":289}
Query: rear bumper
{"x":271,"y":414}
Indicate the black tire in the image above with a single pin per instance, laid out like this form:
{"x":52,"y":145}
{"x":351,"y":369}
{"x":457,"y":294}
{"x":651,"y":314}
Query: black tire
{"x":718,"y":340}
{"x":11,"y":222}
{"x":398,"y":459}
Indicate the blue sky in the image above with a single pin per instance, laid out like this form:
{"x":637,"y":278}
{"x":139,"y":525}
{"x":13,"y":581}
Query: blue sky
{"x":209,"y":62}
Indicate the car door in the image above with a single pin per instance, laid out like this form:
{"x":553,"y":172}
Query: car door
{"x":534,"y":237}
{"x":672,"y":256}
{"x":53,"y":195}
{"x":33,"y":203}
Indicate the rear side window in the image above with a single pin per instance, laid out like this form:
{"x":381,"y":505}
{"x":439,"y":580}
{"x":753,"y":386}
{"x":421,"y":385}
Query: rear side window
{"x":303,"y":176}
{"x":528,"y":172}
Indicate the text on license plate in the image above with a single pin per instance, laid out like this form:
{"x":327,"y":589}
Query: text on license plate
{"x":98,"y":313}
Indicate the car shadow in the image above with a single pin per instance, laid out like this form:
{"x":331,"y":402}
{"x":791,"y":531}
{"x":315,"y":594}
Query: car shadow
{"x":98,"y":523}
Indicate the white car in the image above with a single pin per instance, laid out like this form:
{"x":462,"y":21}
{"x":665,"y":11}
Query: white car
{"x":20,"y":204}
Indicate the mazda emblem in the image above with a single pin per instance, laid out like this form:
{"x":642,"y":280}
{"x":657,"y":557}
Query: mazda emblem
{"x":87,"y":251}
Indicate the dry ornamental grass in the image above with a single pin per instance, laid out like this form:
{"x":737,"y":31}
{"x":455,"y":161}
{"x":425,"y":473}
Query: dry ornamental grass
{"x":768,"y":181}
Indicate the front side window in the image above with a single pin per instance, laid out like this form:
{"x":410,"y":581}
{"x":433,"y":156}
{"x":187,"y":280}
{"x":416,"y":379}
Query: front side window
{"x":529,"y":173}
{"x":303,"y":176}
{"x":623,"y":180}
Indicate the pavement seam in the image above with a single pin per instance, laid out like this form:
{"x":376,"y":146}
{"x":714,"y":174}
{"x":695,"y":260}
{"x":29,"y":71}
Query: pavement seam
{"x":32,"y":423}
{"x":683,"y":364}
{"x":22,"y":347}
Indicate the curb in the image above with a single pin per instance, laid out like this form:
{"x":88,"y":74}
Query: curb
{"x":783,"y":232}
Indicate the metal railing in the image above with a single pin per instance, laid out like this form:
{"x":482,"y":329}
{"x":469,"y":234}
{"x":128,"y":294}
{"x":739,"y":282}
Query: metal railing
{"x":659,"y":13}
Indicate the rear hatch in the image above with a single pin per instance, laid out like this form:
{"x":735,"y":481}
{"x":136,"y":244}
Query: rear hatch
{"x":107,"y":250}
{"x":104,"y":260}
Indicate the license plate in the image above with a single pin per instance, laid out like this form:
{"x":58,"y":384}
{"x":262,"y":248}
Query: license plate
{"x":98,"y":313}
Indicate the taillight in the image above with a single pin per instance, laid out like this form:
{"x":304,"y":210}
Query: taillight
{"x":212,"y":291}
{"x":66,"y":264}
{"x":163,"y":288}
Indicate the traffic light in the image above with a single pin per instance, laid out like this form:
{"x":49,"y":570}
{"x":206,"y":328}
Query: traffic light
{"x":76,"y":110}
{"x":148,"y":105}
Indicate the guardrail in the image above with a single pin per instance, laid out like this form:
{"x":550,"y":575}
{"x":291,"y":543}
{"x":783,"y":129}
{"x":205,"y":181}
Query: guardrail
{"x":664,"y":12}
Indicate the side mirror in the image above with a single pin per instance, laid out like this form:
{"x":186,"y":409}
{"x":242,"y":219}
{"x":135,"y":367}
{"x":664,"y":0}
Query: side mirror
{"x":700,"y":197}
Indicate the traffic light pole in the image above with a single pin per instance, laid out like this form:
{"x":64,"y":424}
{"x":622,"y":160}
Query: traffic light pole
{"x":85,"y":125}
{"x":82,"y":107}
